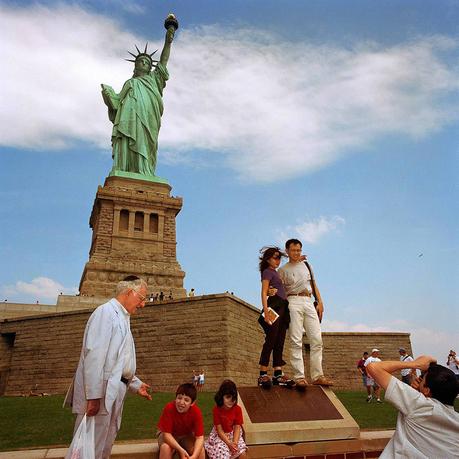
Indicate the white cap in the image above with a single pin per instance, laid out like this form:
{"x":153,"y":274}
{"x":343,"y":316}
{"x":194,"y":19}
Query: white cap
{"x":374,"y":350}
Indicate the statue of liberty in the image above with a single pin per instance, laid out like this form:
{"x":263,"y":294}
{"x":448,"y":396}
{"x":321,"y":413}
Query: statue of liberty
{"x":136,"y":111}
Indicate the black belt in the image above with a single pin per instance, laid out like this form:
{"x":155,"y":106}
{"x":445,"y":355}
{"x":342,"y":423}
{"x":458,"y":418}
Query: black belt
{"x":125,"y":380}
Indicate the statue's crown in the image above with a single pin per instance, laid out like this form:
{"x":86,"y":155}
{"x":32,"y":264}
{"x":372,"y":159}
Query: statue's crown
{"x":142,"y":54}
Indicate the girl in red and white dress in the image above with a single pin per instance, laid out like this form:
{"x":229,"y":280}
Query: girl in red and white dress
{"x":225,"y":440}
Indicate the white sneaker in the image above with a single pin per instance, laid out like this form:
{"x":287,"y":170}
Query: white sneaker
{"x":369,"y":399}
{"x":379,"y":400}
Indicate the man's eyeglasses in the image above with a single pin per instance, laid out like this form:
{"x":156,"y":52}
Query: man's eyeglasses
{"x":142,"y":298}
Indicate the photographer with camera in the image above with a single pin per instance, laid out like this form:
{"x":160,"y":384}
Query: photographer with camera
{"x":427,"y":424}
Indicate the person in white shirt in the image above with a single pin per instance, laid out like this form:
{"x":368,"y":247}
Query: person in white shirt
{"x":306,"y":311}
{"x":427,"y":424}
{"x":107,"y":365}
{"x":371,"y":383}
{"x":406,"y":373}
{"x":453,"y":363}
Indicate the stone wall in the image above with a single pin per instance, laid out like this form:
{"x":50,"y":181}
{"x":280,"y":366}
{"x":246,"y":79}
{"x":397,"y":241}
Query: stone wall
{"x":133,"y":223}
{"x":217,"y":333}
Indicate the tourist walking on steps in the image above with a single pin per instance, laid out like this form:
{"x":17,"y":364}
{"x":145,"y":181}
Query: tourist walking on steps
{"x":274,"y":324}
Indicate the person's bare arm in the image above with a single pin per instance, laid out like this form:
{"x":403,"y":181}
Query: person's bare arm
{"x":221,"y":433}
{"x":173,"y":443}
{"x":198,"y":445}
{"x":166,"y":52}
{"x":381,"y":372}
{"x":236,"y":435}
{"x":320,"y":304}
{"x":223,"y":437}
{"x":264,"y":299}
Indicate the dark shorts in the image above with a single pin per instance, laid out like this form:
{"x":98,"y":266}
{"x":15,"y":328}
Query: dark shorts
{"x":184,"y":440}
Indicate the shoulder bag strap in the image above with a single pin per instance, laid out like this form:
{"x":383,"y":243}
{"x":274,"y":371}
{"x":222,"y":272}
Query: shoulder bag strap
{"x":313,"y":282}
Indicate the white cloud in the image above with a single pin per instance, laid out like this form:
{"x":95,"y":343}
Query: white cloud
{"x":51,"y":75}
{"x":40,"y":288}
{"x":311,"y":231}
{"x":424,"y":341}
{"x":130,"y":7}
{"x":267,"y":108}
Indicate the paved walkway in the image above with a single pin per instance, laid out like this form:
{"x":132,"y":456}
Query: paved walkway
{"x":375,"y":440}
{"x":138,"y":450}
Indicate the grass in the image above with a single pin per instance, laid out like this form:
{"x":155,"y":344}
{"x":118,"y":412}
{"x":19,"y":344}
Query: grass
{"x":34,"y":422}
{"x":368,"y":415}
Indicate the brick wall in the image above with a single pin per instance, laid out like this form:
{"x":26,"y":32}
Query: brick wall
{"x":217,"y":333}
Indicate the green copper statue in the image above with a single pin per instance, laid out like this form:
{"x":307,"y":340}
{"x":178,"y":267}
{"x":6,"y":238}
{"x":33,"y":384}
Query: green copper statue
{"x":136,"y":111}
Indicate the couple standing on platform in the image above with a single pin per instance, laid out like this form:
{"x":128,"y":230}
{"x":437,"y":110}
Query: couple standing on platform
{"x":294,"y":296}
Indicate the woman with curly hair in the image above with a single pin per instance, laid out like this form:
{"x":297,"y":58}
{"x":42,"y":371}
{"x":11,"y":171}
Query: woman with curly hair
{"x":274,"y":324}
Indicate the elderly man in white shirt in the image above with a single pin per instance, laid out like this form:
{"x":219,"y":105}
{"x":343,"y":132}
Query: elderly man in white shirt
{"x":306,"y":310}
{"x":107,"y":365}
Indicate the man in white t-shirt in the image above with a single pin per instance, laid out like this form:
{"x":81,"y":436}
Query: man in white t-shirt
{"x":306,"y":309}
{"x":371,"y":383}
{"x":427,"y":425}
{"x":406,"y":373}
{"x":453,"y":363}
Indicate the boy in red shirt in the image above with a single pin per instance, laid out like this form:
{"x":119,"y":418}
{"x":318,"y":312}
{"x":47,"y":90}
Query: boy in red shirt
{"x":181,"y":427}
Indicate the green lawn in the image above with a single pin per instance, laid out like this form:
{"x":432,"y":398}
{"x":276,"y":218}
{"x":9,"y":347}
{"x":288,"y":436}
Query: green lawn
{"x":41,"y":421}
{"x":368,"y":415}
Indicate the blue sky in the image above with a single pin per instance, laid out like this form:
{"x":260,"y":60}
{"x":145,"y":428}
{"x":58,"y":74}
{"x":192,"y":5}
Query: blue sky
{"x":334,"y":122}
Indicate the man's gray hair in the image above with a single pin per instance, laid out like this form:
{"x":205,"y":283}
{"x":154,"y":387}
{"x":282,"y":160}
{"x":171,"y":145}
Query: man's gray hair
{"x":130,"y":283}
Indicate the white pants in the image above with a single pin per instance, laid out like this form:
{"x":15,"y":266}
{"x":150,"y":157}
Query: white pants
{"x":303,"y":316}
{"x":106,"y":425}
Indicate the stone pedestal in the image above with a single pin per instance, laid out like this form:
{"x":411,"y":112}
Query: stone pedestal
{"x":281,"y":415}
{"x":133,"y":223}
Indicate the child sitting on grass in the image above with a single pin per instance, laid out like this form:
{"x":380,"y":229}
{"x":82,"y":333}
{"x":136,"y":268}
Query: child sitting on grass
{"x":225,"y":440}
{"x":180,"y":426}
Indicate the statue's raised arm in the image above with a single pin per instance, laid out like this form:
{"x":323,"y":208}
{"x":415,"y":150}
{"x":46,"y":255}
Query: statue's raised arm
{"x":171,"y":26}
{"x":136,"y":111}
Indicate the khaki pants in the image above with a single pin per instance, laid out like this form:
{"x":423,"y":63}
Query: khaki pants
{"x":303,"y":316}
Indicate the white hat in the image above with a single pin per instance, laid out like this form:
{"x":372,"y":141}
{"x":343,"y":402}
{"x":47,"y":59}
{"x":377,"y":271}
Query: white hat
{"x":374,"y":350}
